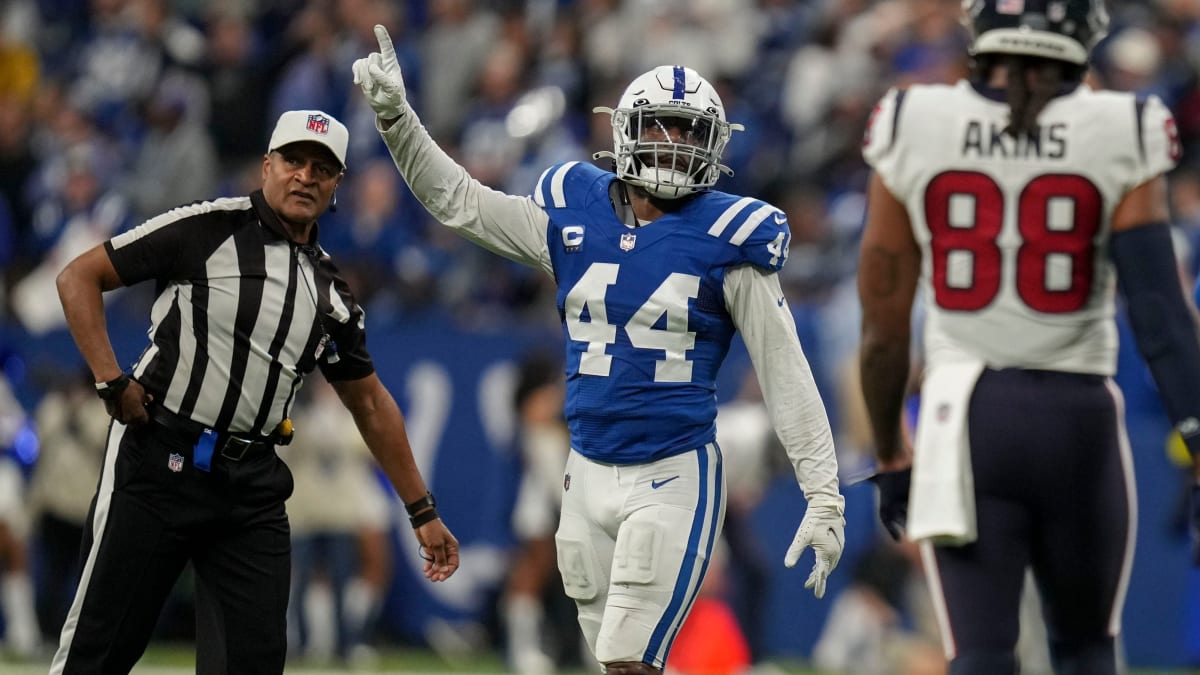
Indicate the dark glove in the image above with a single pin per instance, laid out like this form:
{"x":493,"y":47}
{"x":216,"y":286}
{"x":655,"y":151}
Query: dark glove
{"x":1194,"y":522}
{"x":893,"y":501}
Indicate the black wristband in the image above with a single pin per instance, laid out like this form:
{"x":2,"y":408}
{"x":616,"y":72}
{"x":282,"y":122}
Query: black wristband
{"x":427,"y":516}
{"x":421,"y":503}
{"x":111,"y":390}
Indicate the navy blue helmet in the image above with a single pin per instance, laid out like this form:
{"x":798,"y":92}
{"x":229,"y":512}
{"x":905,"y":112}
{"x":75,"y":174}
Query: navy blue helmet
{"x":1064,"y":30}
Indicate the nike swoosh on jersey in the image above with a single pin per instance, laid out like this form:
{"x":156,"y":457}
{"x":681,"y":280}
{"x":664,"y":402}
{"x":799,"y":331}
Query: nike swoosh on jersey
{"x":655,"y":484}
{"x":779,"y":302}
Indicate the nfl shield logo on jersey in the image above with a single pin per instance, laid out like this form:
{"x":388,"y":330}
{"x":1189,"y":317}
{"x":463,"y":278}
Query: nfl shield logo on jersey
{"x":628,"y":241}
{"x":566,"y":482}
{"x":318,"y":124}
{"x":175,"y":462}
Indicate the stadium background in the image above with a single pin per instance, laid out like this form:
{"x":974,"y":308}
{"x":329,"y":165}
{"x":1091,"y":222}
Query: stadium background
{"x":114,"y":110}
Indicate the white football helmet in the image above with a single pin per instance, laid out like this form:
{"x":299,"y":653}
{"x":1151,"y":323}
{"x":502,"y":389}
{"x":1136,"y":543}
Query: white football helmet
{"x":669,"y":131}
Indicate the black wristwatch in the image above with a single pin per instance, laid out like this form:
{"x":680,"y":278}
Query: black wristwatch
{"x":111,"y":390}
{"x":429,"y":515}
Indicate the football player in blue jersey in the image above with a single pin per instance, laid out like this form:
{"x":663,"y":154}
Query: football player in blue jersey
{"x":655,"y":272}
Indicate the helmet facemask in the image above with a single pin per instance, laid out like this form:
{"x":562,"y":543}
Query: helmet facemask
{"x":669,"y":134}
{"x":668,"y":151}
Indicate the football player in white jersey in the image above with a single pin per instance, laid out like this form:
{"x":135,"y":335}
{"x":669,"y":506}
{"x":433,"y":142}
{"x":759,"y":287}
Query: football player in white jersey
{"x":655,"y":273}
{"x":1015,"y":201}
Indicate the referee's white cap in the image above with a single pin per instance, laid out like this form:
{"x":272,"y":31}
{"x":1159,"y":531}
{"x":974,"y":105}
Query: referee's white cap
{"x":315,"y":126}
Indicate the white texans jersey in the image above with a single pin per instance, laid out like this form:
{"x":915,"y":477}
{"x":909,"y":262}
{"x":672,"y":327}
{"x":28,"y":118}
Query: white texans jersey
{"x":1014,"y":232}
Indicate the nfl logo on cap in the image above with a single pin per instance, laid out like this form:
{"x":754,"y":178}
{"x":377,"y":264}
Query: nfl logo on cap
{"x":175,"y":462}
{"x":315,"y":126}
{"x":318,"y":124}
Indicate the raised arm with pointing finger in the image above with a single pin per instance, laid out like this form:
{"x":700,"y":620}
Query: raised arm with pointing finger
{"x":655,"y":272}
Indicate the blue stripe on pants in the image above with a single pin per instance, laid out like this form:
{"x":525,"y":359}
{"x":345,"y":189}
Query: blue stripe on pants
{"x":707,"y":508}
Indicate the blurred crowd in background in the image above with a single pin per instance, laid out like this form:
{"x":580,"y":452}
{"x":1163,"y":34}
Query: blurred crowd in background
{"x":112,"y":111}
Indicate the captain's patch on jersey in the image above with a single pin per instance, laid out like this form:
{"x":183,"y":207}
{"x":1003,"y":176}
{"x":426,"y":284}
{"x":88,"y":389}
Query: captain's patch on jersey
{"x":572,"y":238}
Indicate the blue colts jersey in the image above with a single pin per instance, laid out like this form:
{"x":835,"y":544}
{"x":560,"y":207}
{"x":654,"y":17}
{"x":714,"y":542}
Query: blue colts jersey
{"x":643,"y":310}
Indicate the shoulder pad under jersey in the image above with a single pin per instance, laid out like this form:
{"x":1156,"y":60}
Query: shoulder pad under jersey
{"x":759,"y":230}
{"x":570,"y":185}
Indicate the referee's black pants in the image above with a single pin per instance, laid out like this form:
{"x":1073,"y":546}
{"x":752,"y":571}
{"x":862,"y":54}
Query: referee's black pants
{"x":153,"y":512}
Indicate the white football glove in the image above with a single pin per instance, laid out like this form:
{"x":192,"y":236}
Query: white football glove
{"x":824,"y":529}
{"x":379,"y":76}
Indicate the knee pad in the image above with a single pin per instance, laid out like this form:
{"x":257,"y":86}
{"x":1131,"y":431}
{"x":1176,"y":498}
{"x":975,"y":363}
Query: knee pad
{"x":578,"y":566}
{"x":637,"y":553}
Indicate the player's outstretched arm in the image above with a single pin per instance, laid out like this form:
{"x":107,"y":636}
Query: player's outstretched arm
{"x":756,"y":303}
{"x":511,"y":226}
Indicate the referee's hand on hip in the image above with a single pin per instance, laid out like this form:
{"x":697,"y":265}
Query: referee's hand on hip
{"x":129,"y":407}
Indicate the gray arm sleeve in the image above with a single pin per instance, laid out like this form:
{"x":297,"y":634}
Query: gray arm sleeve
{"x":514,"y":227}
{"x":752,"y":297}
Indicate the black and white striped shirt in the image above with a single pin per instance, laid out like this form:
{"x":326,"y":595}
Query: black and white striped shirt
{"x":242,"y":313}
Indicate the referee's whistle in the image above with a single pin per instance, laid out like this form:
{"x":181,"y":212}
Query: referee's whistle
{"x":284,"y":430}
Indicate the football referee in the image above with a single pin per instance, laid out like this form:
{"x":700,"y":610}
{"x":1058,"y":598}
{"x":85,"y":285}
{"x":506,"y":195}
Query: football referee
{"x":248,"y":305}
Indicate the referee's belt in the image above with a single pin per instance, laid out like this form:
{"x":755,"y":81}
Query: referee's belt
{"x":231,"y":446}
